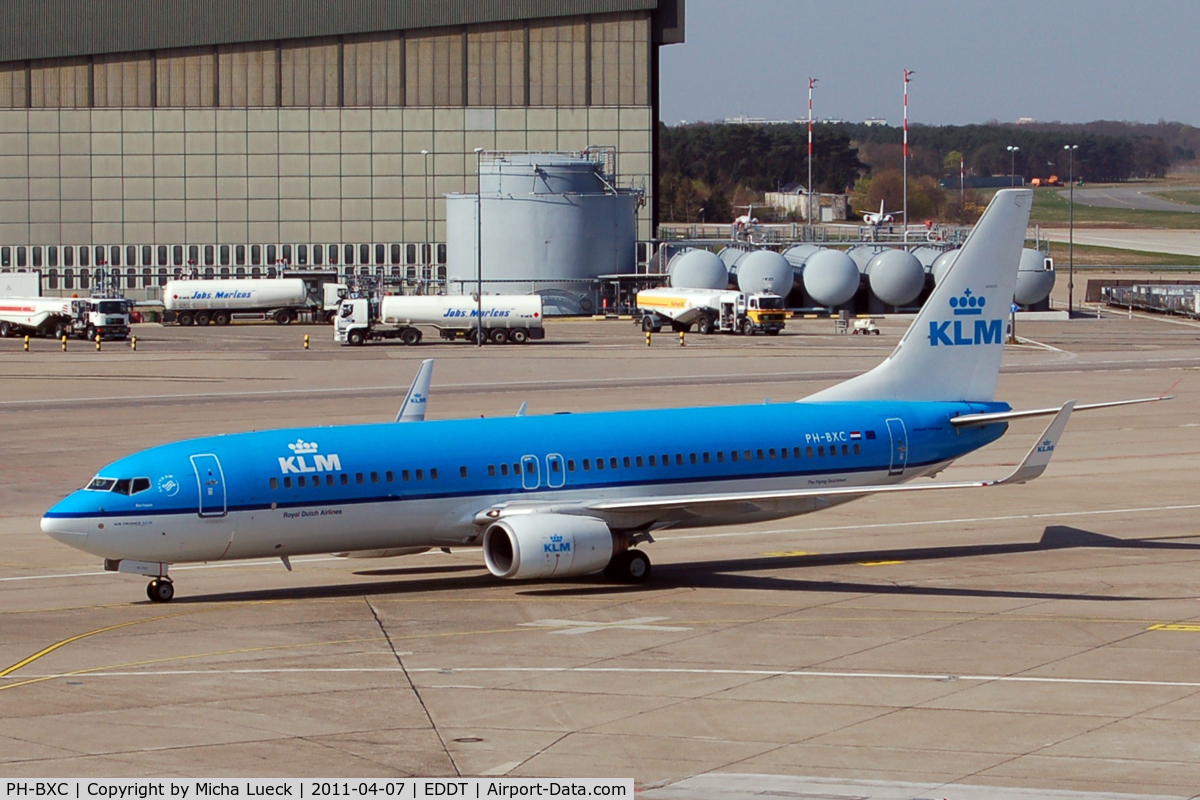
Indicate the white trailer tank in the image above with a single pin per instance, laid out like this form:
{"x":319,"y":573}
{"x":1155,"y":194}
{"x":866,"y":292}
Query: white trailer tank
{"x":200,"y":301}
{"x":460,"y":311}
{"x":21,"y":315}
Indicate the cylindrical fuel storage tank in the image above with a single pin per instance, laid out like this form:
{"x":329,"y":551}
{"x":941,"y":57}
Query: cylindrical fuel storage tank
{"x":895,"y":277}
{"x":1035,"y":277}
{"x":697,"y":269}
{"x":926,"y":254}
{"x":830,"y":278}
{"x":863,"y":253}
{"x":764,"y":271}
{"x":942,"y":264}
{"x":730,"y":255}
{"x":545,"y":221}
{"x":798,"y":254}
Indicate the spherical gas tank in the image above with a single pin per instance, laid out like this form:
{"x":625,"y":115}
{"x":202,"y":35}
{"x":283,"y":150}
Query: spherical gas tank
{"x":765,"y":271}
{"x":863,"y":253}
{"x":896,"y":277}
{"x":1035,"y":277}
{"x":697,"y":269}
{"x":830,"y":277}
{"x":942,"y":264}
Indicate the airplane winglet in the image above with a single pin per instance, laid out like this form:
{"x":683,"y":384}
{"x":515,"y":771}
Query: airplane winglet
{"x":521,"y":410}
{"x":413,"y":407}
{"x":1038,"y":457}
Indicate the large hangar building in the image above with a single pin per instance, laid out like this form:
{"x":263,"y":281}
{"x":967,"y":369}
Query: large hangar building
{"x":208,"y":132}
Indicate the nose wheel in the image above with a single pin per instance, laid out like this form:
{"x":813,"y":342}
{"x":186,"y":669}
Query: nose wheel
{"x":160,"y":590}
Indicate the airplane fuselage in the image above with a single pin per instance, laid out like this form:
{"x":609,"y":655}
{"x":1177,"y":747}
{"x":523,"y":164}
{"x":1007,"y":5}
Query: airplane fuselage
{"x":380,"y":486}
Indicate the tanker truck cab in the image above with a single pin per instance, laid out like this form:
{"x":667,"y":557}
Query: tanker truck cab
{"x":765,"y":312}
{"x":352,"y":324}
{"x":106,"y":317}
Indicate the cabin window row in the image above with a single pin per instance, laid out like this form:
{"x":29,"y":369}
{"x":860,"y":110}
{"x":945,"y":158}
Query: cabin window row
{"x":680,"y":459}
{"x":358,"y":478}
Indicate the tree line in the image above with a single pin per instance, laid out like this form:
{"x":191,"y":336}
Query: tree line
{"x":709,"y":171}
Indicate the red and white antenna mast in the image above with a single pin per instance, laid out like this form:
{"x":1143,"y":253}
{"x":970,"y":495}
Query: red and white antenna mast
{"x":908,"y":73}
{"x":811,"y":83}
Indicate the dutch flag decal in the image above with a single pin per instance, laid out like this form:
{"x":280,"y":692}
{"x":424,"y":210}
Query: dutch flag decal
{"x":855,"y":435}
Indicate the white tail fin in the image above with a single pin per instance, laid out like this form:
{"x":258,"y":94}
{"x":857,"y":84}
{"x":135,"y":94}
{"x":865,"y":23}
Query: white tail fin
{"x":413,"y":407}
{"x":953,"y":348}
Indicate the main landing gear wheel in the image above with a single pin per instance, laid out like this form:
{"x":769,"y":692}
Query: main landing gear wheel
{"x":632,"y":566}
{"x":160,"y":590}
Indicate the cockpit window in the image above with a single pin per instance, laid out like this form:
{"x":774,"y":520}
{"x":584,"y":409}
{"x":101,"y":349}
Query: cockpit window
{"x":125,"y":486}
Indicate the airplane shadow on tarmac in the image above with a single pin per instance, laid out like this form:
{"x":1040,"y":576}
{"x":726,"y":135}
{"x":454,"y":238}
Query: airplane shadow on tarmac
{"x":731,"y":574}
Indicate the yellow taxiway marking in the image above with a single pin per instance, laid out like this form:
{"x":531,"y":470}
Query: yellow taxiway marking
{"x":64,"y":642}
{"x":878,"y":563}
{"x":1175,"y":626}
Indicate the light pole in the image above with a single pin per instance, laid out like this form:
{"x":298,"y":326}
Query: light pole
{"x":425,"y":162}
{"x":811,"y":83}
{"x":908,"y":73}
{"x":1012,"y":161}
{"x":1071,"y":148}
{"x":479,"y":246}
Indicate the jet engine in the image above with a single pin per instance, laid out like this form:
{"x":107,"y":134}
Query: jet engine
{"x":546,"y":546}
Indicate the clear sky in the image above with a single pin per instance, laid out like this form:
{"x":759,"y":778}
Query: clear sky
{"x":1066,"y":60}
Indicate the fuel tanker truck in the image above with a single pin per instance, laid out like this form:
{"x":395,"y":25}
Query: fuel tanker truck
{"x":507,"y":318}
{"x":85,"y":317}
{"x":710,"y":310}
{"x":199,"y":302}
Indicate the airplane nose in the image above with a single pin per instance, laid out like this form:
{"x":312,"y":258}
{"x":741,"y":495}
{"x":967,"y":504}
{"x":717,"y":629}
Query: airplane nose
{"x":65,"y":529}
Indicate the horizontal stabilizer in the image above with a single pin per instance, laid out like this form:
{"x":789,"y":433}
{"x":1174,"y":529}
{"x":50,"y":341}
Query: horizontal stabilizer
{"x":413,"y":407}
{"x":974,"y":420}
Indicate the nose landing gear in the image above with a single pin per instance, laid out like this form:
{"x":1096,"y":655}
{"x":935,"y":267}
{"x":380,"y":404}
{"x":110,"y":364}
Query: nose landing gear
{"x":160,"y":590}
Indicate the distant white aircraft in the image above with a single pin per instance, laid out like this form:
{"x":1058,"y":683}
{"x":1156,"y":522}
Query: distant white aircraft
{"x":881,"y":217}
{"x":745,"y":226}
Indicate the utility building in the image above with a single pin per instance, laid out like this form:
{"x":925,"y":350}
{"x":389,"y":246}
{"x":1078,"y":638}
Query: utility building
{"x":168,"y":134}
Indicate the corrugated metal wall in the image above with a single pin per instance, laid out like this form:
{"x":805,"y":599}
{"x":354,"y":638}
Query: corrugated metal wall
{"x":34,"y":29}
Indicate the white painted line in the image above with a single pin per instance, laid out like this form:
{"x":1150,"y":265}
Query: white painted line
{"x":752,"y":673}
{"x":571,"y":626}
{"x":503,"y":769}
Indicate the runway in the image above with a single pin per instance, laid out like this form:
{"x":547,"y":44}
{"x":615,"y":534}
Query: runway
{"x":1022,"y":640}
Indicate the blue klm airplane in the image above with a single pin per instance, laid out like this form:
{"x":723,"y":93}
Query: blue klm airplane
{"x":565,"y":495}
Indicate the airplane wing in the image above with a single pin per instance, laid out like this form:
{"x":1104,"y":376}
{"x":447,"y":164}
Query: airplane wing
{"x":413,"y":407}
{"x":973,"y":420}
{"x":677,"y":507}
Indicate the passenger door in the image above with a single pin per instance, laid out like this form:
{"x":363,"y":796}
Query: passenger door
{"x":899,"y":439}
{"x":556,"y":473}
{"x":210,"y":480}
{"x":531,"y":477}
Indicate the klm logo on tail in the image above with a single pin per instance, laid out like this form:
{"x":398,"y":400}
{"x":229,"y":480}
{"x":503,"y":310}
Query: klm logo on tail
{"x":959,"y":332}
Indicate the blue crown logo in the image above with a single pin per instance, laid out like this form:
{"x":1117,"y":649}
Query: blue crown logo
{"x":555,"y":538}
{"x":969,"y":305}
